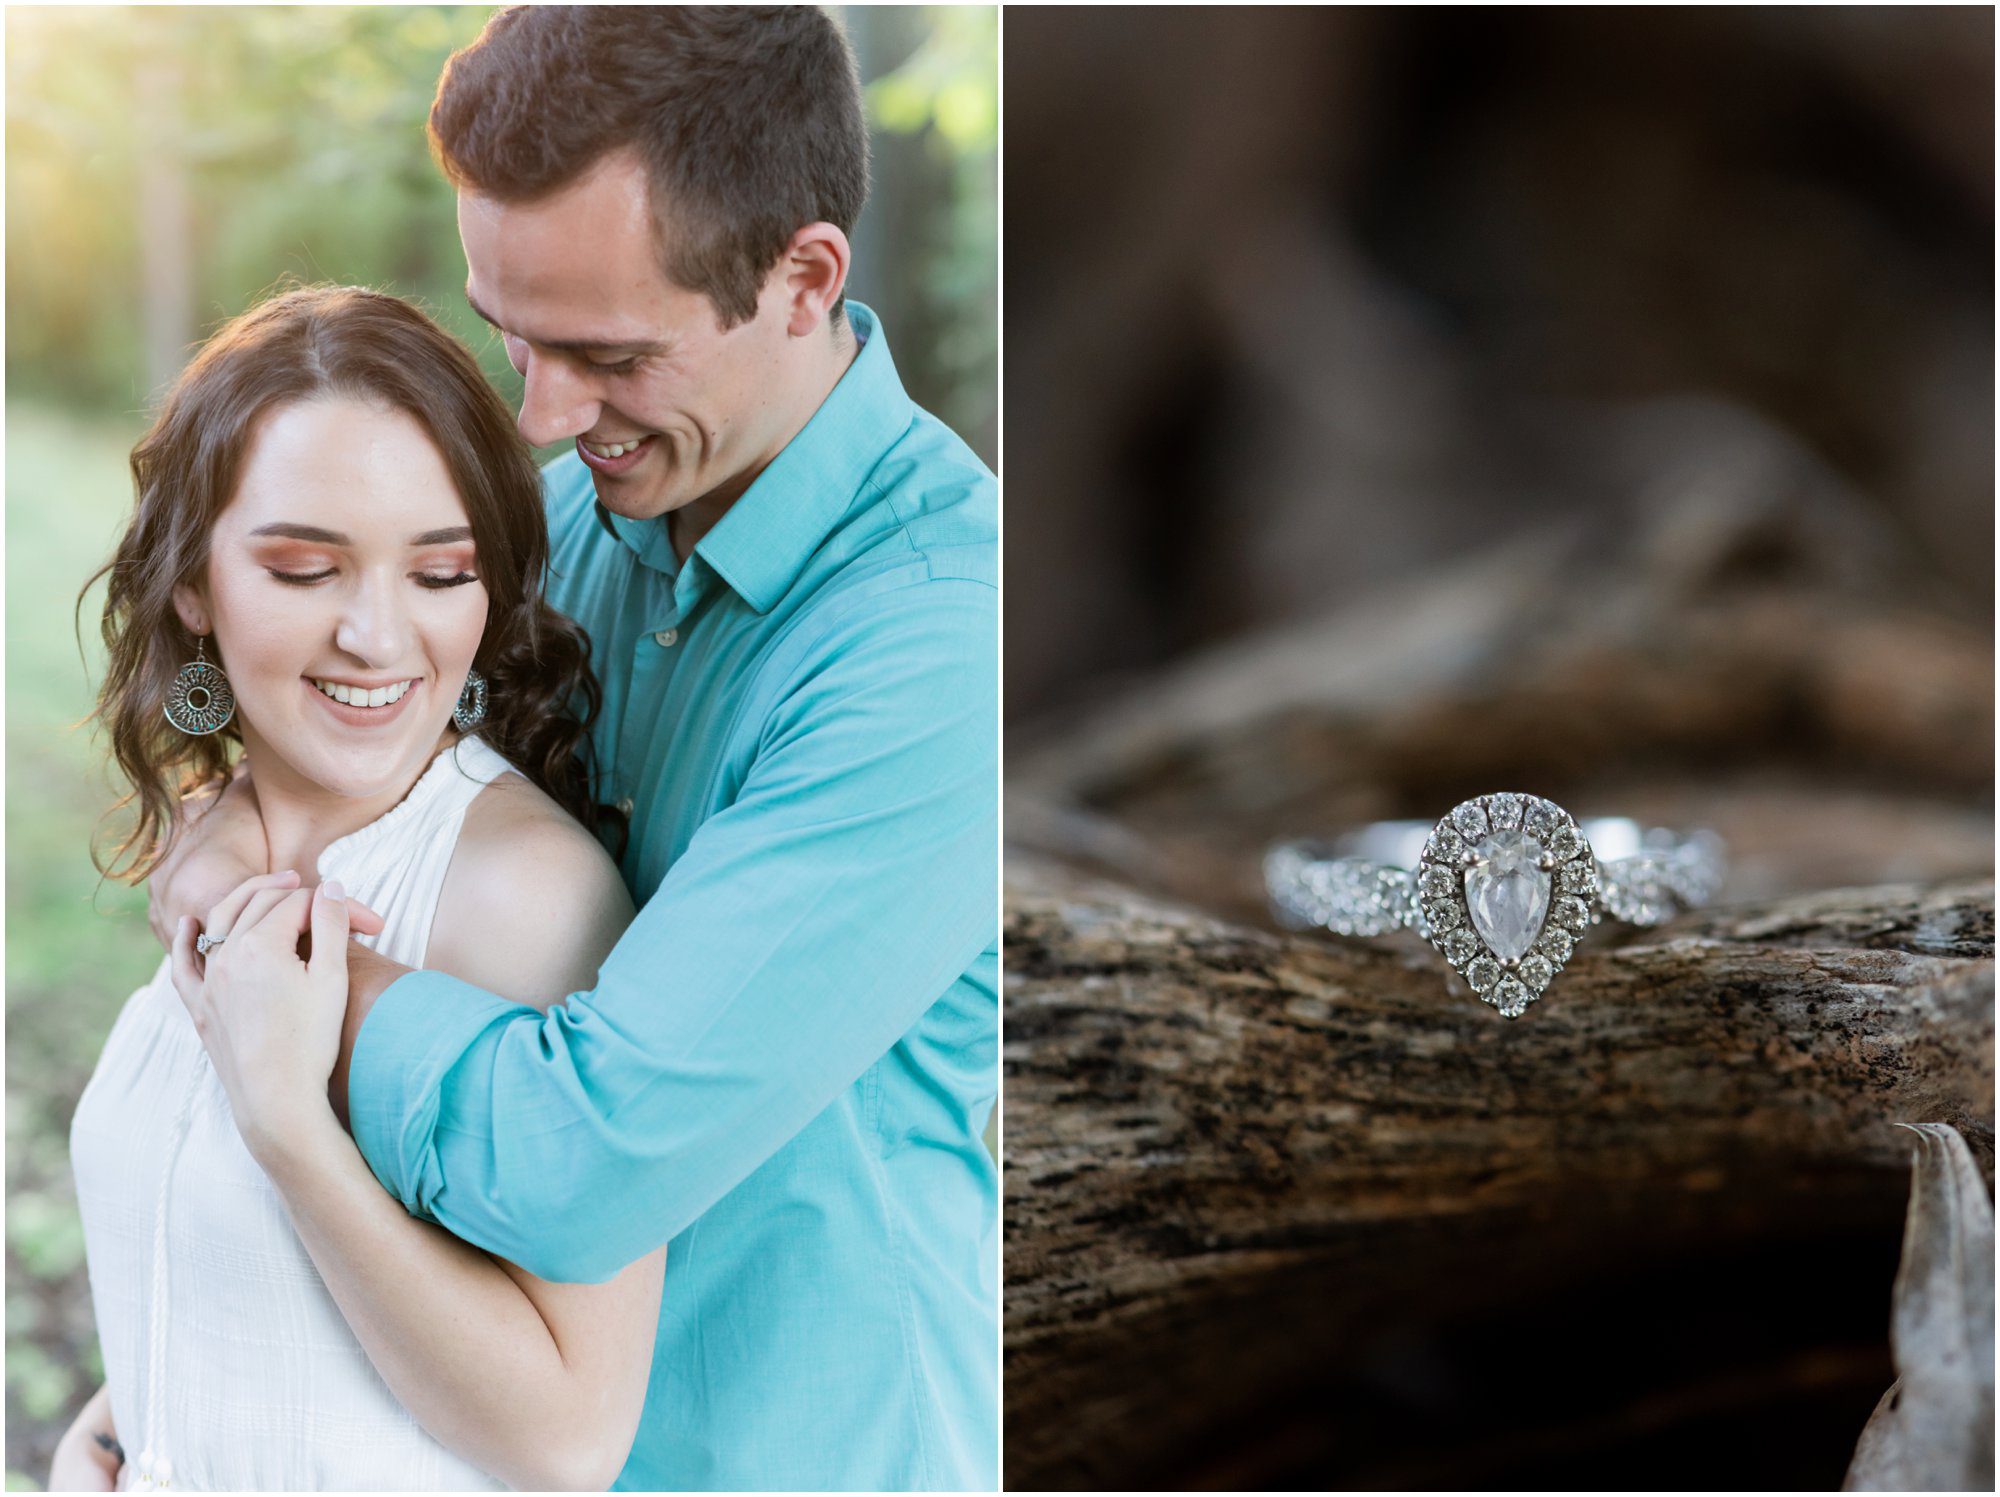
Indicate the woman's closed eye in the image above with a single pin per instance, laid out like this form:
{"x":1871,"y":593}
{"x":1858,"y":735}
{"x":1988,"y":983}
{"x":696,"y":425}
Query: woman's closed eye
{"x":433,"y":580}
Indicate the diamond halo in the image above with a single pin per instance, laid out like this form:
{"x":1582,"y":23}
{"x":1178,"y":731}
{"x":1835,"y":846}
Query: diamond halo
{"x":1507,"y":884}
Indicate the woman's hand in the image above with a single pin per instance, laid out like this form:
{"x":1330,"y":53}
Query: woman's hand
{"x":270,"y":1021}
{"x":88,"y":1455}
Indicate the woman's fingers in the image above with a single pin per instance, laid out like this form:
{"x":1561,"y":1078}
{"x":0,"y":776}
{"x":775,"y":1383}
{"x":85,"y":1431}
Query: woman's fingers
{"x":329,"y":928}
{"x":262,"y":903}
{"x":187,"y":981}
{"x":278,"y":917}
{"x":222,"y":919}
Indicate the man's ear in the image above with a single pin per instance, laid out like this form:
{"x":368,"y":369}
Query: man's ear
{"x":193,"y":609}
{"x":814,"y":267}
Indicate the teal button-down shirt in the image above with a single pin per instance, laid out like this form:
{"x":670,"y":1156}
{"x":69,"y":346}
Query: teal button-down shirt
{"x":787,"y":1063}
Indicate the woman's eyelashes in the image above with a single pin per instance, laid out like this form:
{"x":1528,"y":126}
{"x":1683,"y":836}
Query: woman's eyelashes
{"x":432,"y":580}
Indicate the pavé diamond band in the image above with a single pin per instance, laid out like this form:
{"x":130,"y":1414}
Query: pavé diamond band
{"x":1504,"y":885}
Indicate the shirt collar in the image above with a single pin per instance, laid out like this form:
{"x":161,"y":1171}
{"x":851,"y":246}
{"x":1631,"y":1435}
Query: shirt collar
{"x":764,"y":541}
{"x":762,"y":544}
{"x":646,"y":539}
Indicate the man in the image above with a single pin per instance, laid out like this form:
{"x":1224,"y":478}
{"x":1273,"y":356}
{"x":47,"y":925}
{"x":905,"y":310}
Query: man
{"x":789,"y":576}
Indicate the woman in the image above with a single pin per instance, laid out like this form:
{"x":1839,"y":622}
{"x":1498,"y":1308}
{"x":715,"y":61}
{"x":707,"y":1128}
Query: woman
{"x":335,"y":561}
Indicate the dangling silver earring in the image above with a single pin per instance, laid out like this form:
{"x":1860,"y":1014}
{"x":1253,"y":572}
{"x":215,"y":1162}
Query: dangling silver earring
{"x":200,"y":701}
{"x":471,"y":709}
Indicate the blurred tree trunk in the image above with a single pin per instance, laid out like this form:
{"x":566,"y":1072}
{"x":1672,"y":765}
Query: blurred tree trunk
{"x":165,"y":232}
{"x":1298,"y":297}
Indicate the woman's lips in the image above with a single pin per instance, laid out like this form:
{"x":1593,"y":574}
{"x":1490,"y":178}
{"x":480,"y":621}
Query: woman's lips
{"x":363,"y":717}
{"x":613,"y":467}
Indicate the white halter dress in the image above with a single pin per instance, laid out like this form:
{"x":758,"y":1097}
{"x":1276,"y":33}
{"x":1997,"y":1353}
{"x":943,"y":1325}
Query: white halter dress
{"x":229,"y":1364}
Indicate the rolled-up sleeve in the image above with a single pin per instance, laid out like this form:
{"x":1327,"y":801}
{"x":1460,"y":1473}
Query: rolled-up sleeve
{"x":804,"y":929}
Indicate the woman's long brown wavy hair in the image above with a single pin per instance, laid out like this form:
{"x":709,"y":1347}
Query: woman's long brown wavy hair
{"x":306,"y":344}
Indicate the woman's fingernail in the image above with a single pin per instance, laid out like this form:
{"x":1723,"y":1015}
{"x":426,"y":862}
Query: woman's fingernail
{"x":332,"y":890}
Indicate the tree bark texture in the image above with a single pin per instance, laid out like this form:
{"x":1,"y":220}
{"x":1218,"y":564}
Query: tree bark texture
{"x":1227,"y":1150}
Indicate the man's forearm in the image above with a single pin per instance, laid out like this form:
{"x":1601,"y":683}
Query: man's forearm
{"x":368,"y":977}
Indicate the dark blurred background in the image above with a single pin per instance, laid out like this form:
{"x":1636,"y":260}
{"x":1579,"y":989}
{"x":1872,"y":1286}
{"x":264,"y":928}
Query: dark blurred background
{"x":1302,"y":301}
{"x":1309,"y":308}
{"x":166,"y":166}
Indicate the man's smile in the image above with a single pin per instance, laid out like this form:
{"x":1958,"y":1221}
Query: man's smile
{"x":612,"y":449}
{"x":614,"y":458}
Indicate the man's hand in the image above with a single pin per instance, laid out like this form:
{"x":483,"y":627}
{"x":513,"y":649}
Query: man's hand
{"x":218,"y":843}
{"x":88,"y":1455}
{"x":271,"y":1022}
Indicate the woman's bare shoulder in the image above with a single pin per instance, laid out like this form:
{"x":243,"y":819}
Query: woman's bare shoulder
{"x":532,"y":903}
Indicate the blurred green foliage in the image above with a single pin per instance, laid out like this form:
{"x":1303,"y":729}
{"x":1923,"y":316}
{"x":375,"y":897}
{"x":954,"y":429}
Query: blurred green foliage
{"x":74,"y":949}
{"x":297,"y":134}
{"x":946,"y":96}
{"x":294,"y":139}
{"x":168,"y":163}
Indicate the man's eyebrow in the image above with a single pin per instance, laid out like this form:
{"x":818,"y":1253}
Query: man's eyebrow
{"x":289,"y":531}
{"x":570,"y":345}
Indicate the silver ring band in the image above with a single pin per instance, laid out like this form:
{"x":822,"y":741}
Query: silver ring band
{"x":1648,"y":875}
{"x":206,"y":943}
{"x":1503,"y":885}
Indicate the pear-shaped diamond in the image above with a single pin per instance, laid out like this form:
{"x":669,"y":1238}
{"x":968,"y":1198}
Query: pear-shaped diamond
{"x":1507,"y":891}
{"x":1507,"y":884}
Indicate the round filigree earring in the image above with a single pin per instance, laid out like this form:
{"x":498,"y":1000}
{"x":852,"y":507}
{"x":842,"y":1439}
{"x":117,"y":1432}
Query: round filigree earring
{"x":200,"y":701}
{"x":471,"y":709}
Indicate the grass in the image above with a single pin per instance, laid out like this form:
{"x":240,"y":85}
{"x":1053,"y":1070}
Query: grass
{"x":75,"y":950}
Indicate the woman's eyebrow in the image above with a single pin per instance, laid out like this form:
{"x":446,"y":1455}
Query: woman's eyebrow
{"x":290,"y":531}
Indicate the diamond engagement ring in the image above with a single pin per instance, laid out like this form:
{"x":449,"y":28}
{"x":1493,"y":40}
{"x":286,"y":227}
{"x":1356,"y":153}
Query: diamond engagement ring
{"x":206,"y":943}
{"x":1504,"y":885}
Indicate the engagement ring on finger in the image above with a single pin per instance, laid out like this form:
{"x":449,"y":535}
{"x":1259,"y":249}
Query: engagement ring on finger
{"x":205,"y":943}
{"x":1503,"y":886}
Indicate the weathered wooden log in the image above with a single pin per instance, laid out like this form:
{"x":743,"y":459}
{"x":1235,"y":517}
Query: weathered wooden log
{"x":1229,"y":1152}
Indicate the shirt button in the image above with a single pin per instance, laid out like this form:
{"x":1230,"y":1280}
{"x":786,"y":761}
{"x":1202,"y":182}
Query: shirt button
{"x":625,"y":805}
{"x":666,"y":639}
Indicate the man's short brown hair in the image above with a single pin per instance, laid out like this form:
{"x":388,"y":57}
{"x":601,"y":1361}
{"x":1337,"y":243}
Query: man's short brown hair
{"x":748,"y":119}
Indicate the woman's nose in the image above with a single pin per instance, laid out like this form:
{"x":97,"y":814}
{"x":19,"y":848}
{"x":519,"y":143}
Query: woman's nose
{"x":375,"y":627}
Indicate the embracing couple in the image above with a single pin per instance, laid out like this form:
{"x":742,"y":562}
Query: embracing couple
{"x":424,"y":1161}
